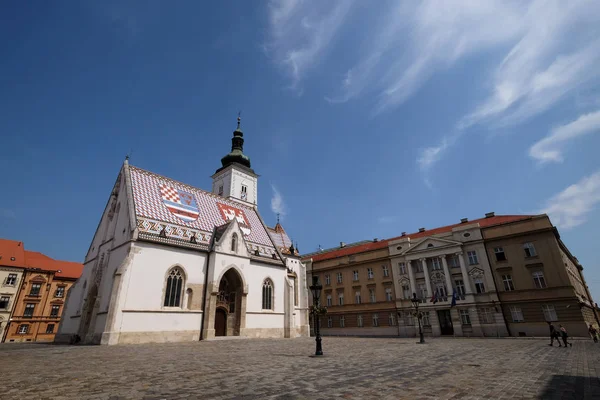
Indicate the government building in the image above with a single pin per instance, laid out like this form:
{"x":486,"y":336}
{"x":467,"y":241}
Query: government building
{"x":171,"y":262}
{"x":505,"y":275}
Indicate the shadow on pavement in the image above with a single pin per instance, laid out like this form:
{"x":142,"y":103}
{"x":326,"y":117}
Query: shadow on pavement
{"x":572,"y":387}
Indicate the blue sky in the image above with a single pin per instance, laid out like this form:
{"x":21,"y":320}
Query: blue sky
{"x":362,"y":121}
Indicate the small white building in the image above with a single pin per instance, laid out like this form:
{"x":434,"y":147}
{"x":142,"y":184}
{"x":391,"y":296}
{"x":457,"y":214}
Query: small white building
{"x":171,"y":262}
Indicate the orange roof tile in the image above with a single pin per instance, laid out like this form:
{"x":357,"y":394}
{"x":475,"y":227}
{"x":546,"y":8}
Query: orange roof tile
{"x":483,"y":223}
{"x":63,"y":269}
{"x":12,"y":253}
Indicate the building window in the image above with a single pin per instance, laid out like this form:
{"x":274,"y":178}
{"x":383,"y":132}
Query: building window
{"x":435,"y":264}
{"x":486,"y":316}
{"x":359,"y":321}
{"x":35,"y":289}
{"x":355,"y":275}
{"x":50,"y":328}
{"x":370,"y":273}
{"x":341,"y":299}
{"x":328,"y":279}
{"x":60,"y":291}
{"x":392,"y":319}
{"x":499,"y":252}
{"x":472,"y":257}
{"x":508,"y":283}
{"x":440,"y":290}
{"x":406,"y":292}
{"x":221,"y":190}
{"x":479,"y":286}
{"x":453,"y":261}
{"x":4,"y":301}
{"x":549,"y":313}
{"x":529,"y":250}
{"x":465,"y":318}
{"x":538,"y":279}
{"x":425,"y":319}
{"x":375,"y":319}
{"x":386,"y":271}
{"x":234,"y":242}
{"x":339,"y":277}
{"x":267,"y":295}
{"x":460,"y":287}
{"x":330,"y":322}
{"x":388,"y":294}
{"x":357,"y":298}
{"x":516,"y":314}
{"x":55,"y":311}
{"x":11,"y":280}
{"x":402,"y":268}
{"x":23,"y":329}
{"x":29,"y":308}
{"x":372,"y":295}
{"x":174,"y":288}
{"x":244,"y":192}
{"x":342,"y":322}
{"x":422,"y":291}
{"x":328,"y":300}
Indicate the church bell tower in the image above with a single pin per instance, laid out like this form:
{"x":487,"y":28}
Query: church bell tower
{"x":236,"y":180}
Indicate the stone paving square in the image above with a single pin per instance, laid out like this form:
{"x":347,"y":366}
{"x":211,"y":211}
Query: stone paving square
{"x":352,"y":368}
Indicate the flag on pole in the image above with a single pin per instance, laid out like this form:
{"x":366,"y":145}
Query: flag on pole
{"x":453,"y":298}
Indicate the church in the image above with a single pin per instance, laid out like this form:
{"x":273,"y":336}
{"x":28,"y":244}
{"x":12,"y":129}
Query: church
{"x":170,"y":262}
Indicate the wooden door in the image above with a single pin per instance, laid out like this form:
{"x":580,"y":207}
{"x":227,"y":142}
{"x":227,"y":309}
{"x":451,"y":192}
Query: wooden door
{"x":220,"y":322}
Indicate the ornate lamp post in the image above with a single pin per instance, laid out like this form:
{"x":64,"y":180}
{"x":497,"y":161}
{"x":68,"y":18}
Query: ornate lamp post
{"x":415,"y":303}
{"x":316,"y":292}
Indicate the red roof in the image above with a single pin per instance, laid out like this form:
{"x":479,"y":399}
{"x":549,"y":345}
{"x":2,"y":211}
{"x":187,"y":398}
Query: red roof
{"x":483,"y":223}
{"x":64,"y":269}
{"x":12,"y":253}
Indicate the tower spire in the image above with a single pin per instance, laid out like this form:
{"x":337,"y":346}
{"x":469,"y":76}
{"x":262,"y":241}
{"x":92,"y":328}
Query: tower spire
{"x":278,"y":218}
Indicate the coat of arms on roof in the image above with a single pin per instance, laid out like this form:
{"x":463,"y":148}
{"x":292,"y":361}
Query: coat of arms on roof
{"x":180,"y":203}
{"x":229,"y":213}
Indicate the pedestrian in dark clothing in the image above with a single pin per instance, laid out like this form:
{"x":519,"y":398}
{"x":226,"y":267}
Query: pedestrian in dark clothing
{"x":594,"y":333}
{"x":564,"y":335}
{"x":553,"y":335}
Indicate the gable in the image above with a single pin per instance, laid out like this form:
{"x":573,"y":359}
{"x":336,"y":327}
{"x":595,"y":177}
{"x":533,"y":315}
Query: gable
{"x":431,"y":244}
{"x":182,"y":210}
{"x":224,"y":236}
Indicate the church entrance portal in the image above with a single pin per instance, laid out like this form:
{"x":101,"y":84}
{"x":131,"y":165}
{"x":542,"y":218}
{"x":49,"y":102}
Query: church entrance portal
{"x":220,"y":322}
{"x":228,"y":307}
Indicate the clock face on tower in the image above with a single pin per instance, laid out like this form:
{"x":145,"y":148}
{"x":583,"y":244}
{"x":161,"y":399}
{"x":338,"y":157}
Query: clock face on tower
{"x":243,"y":195}
{"x":244,"y":192}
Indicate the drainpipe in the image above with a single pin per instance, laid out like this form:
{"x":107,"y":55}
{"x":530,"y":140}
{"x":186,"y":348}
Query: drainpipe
{"x":496,"y":288}
{"x":204,"y":301}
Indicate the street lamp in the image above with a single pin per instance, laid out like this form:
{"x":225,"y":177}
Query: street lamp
{"x":316,"y":292}
{"x":415,"y":303}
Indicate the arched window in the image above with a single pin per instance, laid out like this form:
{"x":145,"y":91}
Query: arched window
{"x":190,"y":295}
{"x":174,"y":288}
{"x":234,"y":242}
{"x":267,"y":295}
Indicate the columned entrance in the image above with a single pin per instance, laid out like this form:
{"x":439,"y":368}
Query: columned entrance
{"x":445,"y":322}
{"x":228,"y":311}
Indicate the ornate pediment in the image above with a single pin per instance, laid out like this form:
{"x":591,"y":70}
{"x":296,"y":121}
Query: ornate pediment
{"x":476,"y":273}
{"x":438,"y":277}
{"x":403,"y":281}
{"x":38,"y":278}
{"x":431,"y":244}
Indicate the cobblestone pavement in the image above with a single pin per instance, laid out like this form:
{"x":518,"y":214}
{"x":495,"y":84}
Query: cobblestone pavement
{"x":352,"y":368}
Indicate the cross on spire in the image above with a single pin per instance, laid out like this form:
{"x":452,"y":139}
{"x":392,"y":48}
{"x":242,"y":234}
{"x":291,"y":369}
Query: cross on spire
{"x":277,"y":217}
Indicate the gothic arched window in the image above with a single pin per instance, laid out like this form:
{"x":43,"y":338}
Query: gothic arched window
{"x":267,"y":295}
{"x":174,"y":288}
{"x":234,"y":242}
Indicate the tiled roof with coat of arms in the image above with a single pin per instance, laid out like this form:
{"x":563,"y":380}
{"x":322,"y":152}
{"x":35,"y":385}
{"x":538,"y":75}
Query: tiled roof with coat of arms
{"x":181,"y":211}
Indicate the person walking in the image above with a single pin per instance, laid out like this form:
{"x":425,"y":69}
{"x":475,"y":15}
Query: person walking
{"x":564,"y":335}
{"x":594,"y":333}
{"x":553,"y":335}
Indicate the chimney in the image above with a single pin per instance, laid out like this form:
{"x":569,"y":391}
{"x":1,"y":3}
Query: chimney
{"x":342,"y":244}
{"x":464,"y":220}
{"x":403,"y":233}
{"x":375,"y":240}
{"x":421,"y":229}
{"x":489,"y":215}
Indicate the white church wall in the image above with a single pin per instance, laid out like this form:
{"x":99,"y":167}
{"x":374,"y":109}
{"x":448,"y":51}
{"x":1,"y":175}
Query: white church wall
{"x":146,"y":283}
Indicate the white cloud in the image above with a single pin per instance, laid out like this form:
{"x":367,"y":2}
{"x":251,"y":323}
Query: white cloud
{"x":570,"y":207}
{"x":549,"y":149}
{"x":277,"y":204}
{"x":301,"y":32}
